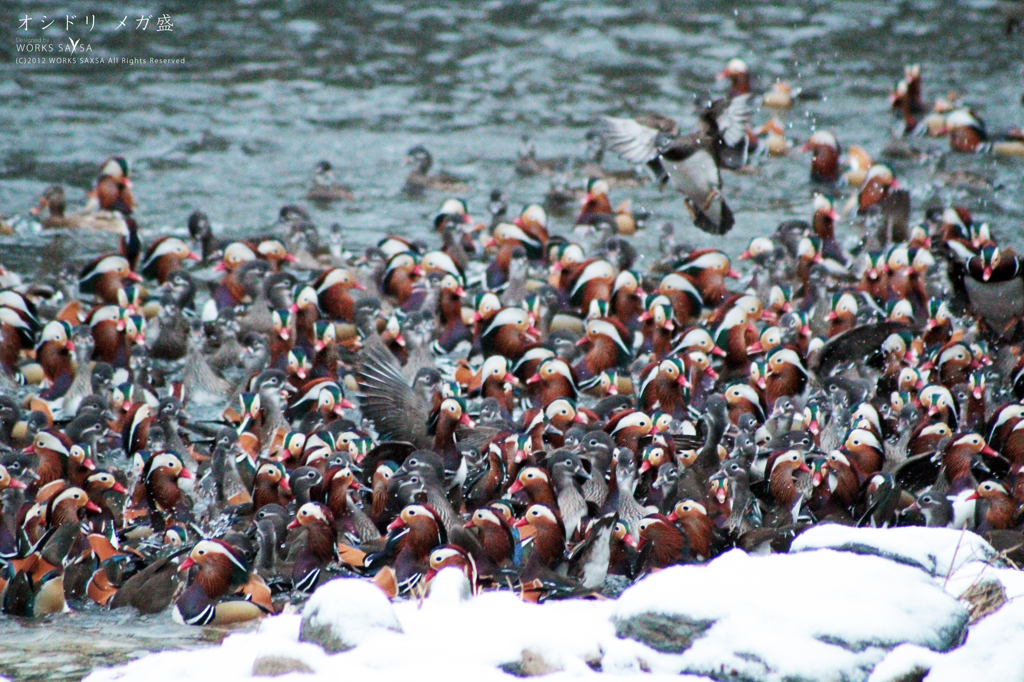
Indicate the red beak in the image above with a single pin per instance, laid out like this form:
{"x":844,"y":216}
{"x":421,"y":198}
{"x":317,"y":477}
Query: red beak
{"x":185,"y":473}
{"x":534,"y":379}
{"x":986,"y":274}
{"x":745,"y":255}
{"x":293,"y":308}
{"x":520,"y":523}
{"x":469,"y":524}
{"x":93,"y":507}
{"x":219,"y":267}
{"x":284,"y":485}
{"x":582,"y":341}
{"x":118,"y":488}
{"x":987,"y":450}
{"x":133,"y":276}
{"x":645,"y":466}
{"x":18,"y":485}
{"x":629,"y":540}
{"x":755,"y":347}
{"x":804,"y":467}
{"x":397,"y":523}
{"x":88,"y":464}
{"x":974,"y":496}
{"x":294,"y":523}
{"x":358,"y":287}
{"x":832,"y":315}
{"x":466,"y":421}
{"x":715,"y":350}
{"x":192,"y":255}
{"x":516,"y":486}
{"x":189,"y":563}
{"x":732,"y":273}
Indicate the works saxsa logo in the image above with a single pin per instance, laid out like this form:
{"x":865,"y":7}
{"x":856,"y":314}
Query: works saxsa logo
{"x":33,"y":46}
{"x":42,"y":46}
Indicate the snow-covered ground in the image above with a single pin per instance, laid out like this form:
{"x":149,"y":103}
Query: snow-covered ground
{"x":851,"y":604}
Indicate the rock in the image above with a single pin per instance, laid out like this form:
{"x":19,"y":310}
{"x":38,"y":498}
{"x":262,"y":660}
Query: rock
{"x":343,"y":613}
{"x":668,"y":634}
{"x":531,"y":664}
{"x":992,"y":652}
{"x":273,"y":666}
{"x":821,"y":615}
{"x":934,"y":550}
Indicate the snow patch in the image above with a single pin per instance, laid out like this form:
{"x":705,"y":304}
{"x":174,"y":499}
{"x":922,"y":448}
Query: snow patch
{"x":344,"y":613}
{"x":935,"y":550}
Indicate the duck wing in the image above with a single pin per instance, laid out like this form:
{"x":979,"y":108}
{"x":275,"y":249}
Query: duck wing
{"x":387,"y":400}
{"x":731,"y":117}
{"x":860,"y":344}
{"x":635,"y":140}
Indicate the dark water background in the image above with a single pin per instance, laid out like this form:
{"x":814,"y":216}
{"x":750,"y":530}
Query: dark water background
{"x":272,"y":87}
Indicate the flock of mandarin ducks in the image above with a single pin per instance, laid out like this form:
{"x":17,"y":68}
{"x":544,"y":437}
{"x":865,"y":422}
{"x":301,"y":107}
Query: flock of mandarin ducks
{"x":530,"y":409}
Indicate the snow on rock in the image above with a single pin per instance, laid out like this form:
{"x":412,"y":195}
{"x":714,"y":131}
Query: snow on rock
{"x":450,"y":585}
{"x":992,"y":651}
{"x":821,"y":615}
{"x":344,"y":613}
{"x":860,"y":607}
{"x":934,"y":550}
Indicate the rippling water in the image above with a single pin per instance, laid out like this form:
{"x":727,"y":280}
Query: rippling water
{"x":269,"y":88}
{"x":272,"y":87}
